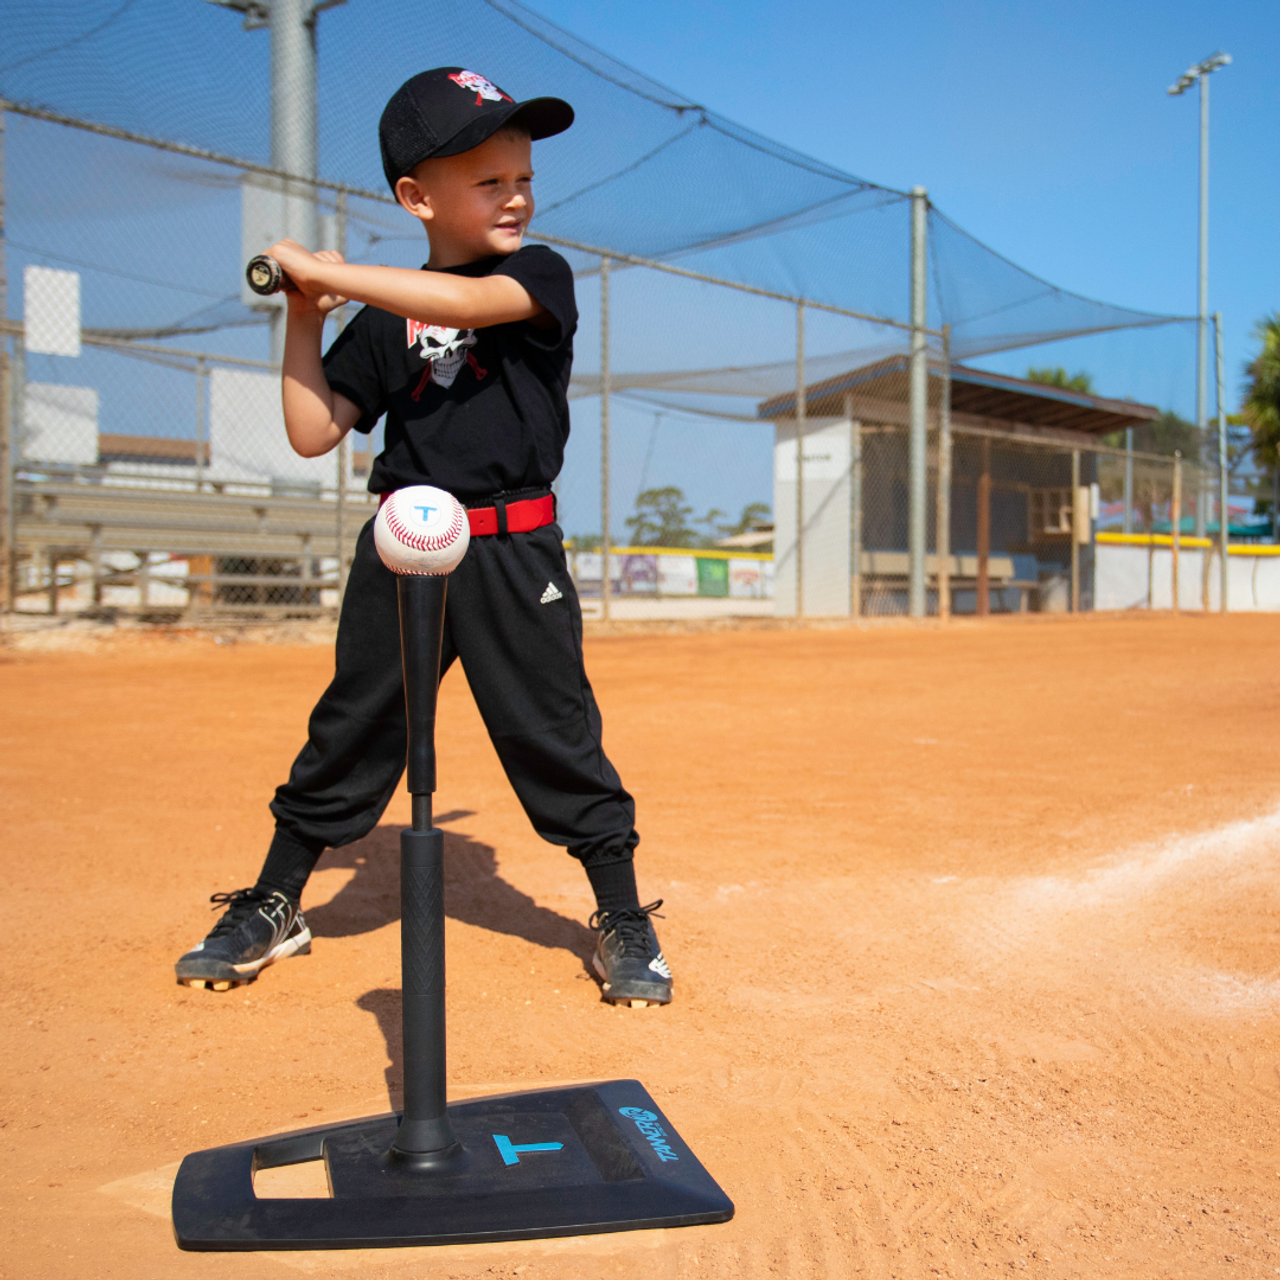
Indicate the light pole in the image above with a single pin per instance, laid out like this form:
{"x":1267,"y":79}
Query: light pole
{"x":1199,"y":74}
{"x":294,"y":112}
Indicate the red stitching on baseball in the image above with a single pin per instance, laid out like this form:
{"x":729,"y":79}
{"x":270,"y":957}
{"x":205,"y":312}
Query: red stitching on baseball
{"x":421,"y":541}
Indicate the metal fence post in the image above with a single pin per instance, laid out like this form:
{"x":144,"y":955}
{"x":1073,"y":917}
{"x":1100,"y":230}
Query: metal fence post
{"x":918,"y":440}
{"x":1175,"y":520}
{"x":344,"y":446}
{"x":605,"y":388}
{"x":1075,"y":541}
{"x":95,"y":564}
{"x":1224,"y":477}
{"x":17,"y":401}
{"x":1128,"y":480}
{"x":7,"y":558}
{"x":982,"y":603}
{"x":202,"y":400}
{"x":942,"y":536}
{"x":855,"y":508}
{"x":801,"y":415}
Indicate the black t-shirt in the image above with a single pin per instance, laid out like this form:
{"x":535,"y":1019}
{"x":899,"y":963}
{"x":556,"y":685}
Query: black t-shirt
{"x":476,"y":411}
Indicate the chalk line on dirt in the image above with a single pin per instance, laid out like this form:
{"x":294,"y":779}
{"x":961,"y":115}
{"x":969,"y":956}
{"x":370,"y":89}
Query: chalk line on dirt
{"x":1149,"y":865}
{"x":1032,"y":909}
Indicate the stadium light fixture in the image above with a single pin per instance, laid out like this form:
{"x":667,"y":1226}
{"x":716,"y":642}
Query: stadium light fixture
{"x":1192,"y":74}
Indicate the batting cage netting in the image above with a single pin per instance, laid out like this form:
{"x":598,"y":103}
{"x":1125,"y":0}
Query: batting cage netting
{"x":795,"y":391}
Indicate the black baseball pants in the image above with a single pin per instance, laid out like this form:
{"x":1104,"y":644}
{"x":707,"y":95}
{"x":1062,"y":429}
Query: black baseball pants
{"x":523,"y":660}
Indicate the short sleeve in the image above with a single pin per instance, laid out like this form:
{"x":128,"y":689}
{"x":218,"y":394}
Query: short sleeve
{"x":352,"y":368}
{"x":549,"y":280}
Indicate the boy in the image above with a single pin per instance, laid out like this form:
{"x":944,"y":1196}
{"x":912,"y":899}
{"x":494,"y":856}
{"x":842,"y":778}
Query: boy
{"x":469,"y":359}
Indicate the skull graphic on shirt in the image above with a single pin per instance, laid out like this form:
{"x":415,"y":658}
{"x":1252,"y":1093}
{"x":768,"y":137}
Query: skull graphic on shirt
{"x":446,"y":349}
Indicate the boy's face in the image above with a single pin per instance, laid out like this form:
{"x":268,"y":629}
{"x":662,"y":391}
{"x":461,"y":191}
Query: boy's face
{"x":476,"y":204}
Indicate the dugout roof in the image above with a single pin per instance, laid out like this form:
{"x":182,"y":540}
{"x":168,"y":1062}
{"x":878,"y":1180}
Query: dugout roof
{"x":879,"y":392}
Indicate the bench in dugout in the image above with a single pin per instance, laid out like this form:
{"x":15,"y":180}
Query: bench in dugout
{"x":884,"y":574}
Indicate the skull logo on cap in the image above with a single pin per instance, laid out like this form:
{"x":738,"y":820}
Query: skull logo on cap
{"x":485,"y":90}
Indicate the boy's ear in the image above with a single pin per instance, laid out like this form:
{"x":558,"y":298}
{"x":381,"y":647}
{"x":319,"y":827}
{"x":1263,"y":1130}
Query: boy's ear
{"x":413,"y":198}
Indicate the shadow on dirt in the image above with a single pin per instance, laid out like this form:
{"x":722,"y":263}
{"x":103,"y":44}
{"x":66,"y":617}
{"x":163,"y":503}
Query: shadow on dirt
{"x":474,"y":893}
{"x":385,"y":1005}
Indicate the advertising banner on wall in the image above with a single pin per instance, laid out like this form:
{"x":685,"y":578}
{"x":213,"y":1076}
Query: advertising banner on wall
{"x":713,"y":577}
{"x":746,"y":579}
{"x":678,"y":575}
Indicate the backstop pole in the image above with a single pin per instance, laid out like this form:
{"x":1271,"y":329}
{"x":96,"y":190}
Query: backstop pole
{"x":605,"y":389}
{"x":918,"y":438}
{"x":1075,"y":530}
{"x":344,"y":445}
{"x":801,"y":408}
{"x":1224,"y":515}
{"x":855,"y":508}
{"x":1128,"y":481}
{"x":942,"y":537}
{"x":202,"y":421}
{"x":6,"y":425}
{"x":1175,"y":521}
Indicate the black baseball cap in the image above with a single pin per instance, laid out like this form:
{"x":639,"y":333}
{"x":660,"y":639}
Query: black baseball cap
{"x":449,"y":110}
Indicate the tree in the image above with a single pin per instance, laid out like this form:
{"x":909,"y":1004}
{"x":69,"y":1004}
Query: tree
{"x":1168,"y":434}
{"x":662,"y":520}
{"x":1059,"y":377}
{"x":1261,"y":407}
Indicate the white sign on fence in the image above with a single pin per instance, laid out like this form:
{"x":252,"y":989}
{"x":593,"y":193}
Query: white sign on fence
{"x":247,"y":437}
{"x":59,"y":424}
{"x":51,"y":311}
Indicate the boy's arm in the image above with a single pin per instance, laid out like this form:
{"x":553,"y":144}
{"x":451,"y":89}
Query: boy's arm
{"x":315,"y":417}
{"x":432,"y":297}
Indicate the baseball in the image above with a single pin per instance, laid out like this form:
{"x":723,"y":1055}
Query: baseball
{"x":423,"y":530}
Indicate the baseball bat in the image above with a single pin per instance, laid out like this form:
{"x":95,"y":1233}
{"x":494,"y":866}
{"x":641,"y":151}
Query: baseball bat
{"x":266,"y":276}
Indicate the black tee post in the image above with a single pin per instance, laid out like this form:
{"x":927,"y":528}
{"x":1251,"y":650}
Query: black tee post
{"x":425,"y":1137}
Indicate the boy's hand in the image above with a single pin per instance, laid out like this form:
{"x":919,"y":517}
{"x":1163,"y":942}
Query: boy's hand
{"x":304,"y":269}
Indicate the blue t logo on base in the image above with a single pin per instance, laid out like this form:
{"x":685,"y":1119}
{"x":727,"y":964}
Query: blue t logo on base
{"x":510,"y":1151}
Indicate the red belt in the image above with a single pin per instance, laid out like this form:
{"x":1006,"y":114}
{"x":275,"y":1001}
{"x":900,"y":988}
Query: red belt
{"x":512,"y":517}
{"x":508,"y":517}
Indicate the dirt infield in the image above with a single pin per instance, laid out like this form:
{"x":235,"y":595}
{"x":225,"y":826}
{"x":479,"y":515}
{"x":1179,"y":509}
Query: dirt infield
{"x":975,"y":938}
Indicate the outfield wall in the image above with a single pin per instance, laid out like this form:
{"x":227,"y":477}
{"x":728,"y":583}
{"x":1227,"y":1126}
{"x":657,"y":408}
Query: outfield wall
{"x":1140,"y":576}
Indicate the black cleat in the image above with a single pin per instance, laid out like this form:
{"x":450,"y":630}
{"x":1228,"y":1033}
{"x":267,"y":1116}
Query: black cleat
{"x":256,"y":930}
{"x":629,"y":959}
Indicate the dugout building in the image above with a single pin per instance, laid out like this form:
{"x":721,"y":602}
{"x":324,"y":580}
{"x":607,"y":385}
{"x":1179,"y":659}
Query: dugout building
{"x":1015,"y":444}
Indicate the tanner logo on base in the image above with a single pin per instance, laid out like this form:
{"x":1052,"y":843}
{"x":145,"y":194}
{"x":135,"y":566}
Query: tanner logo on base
{"x":651,"y":1130}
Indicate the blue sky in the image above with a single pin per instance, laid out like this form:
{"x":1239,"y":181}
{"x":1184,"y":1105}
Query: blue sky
{"x":1043,"y":129}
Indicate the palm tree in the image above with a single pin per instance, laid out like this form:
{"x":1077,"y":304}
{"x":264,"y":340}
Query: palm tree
{"x":1262,"y":406}
{"x":1262,"y":392}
